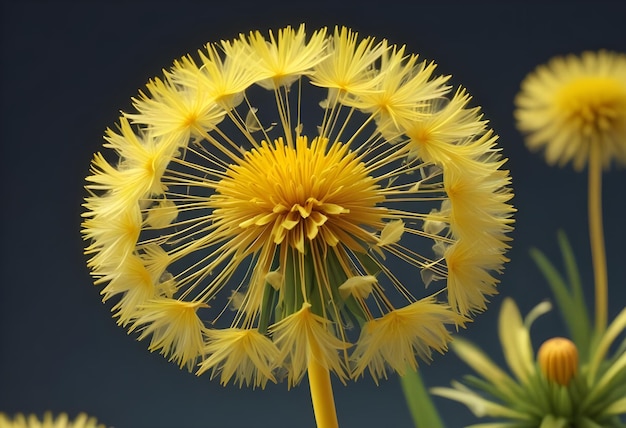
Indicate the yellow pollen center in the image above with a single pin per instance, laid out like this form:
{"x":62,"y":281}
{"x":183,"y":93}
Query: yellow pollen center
{"x":287,"y":194}
{"x":420,"y":135}
{"x":593,"y":104}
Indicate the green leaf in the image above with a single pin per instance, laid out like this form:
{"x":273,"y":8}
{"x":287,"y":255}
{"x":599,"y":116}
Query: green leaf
{"x":577,"y":326}
{"x":601,"y":348}
{"x":551,"y":421}
{"x":419,"y":401}
{"x":584,"y":422}
{"x":503,"y":425}
{"x":617,"y":407}
{"x":573,"y":277}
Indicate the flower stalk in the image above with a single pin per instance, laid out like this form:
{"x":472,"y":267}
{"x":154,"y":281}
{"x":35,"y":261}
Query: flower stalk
{"x":574,"y":107}
{"x":596,"y":237}
{"x":321,"y":391}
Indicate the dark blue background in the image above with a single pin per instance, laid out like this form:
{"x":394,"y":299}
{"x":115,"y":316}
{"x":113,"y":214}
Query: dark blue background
{"x":67,"y":70}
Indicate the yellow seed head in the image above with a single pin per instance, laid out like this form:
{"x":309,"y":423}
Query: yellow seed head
{"x":282,"y":179}
{"x":558,"y":360}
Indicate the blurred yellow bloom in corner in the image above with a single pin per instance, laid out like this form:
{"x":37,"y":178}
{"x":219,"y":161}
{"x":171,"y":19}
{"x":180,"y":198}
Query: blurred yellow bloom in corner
{"x":49,"y":421}
{"x":259,"y":208}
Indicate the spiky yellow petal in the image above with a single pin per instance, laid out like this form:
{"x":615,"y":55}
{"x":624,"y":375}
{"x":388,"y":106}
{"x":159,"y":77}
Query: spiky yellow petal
{"x":175,"y":329}
{"x":143,"y":156}
{"x":285,"y":57}
{"x":176,"y":112}
{"x":435,"y":136}
{"x":245,"y":354}
{"x":405,"y":87}
{"x":470,"y":277}
{"x":351,"y":67}
{"x":479,"y":201}
{"x":133,"y":281}
{"x":399,"y":335}
{"x":222,"y":78}
{"x":113,"y":238}
{"x":294,"y":337}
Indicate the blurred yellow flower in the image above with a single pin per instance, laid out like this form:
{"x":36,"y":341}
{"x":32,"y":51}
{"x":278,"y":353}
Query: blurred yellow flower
{"x":575,"y":105}
{"x":49,"y":421}
{"x":575,"y":108}
{"x":254,"y":214}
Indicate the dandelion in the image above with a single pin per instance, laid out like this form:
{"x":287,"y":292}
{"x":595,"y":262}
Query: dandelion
{"x":553,"y":390}
{"x":253,"y":211}
{"x":575,"y":108}
{"x":62,"y":420}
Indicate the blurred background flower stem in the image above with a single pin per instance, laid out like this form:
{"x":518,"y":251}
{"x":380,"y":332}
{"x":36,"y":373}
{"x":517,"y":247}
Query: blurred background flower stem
{"x":596,"y":236}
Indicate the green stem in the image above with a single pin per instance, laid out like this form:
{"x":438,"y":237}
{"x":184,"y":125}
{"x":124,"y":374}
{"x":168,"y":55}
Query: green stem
{"x":419,"y":401}
{"x":596,"y":236}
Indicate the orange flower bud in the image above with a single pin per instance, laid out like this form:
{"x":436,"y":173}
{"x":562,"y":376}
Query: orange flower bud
{"x":558,"y":360}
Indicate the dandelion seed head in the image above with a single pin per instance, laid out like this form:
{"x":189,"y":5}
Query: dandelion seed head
{"x":266,"y":192}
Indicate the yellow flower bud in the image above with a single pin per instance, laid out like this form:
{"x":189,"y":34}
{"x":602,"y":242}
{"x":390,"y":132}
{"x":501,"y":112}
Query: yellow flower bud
{"x":558,"y":360}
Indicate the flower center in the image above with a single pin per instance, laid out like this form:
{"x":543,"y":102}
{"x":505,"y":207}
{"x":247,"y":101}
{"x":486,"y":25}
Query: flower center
{"x":594,"y":104}
{"x":315,"y":192}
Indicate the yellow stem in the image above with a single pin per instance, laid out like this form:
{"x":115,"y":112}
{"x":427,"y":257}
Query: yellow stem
{"x":596,"y":236}
{"x":321,"y":392}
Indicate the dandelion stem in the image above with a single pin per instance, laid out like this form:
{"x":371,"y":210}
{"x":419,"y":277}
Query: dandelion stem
{"x":321,"y":391}
{"x":596,"y":236}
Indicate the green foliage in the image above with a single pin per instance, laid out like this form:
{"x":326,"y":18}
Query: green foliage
{"x":568,"y":294}
{"x":419,"y":401}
